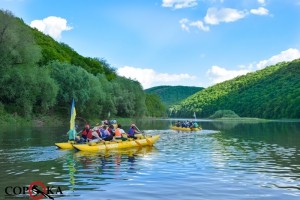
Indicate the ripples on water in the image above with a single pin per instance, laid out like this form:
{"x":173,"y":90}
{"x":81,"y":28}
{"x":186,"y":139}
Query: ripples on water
{"x":201,"y":165}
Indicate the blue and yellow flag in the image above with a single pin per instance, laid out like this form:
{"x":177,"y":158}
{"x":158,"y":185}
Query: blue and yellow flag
{"x":73,"y":115}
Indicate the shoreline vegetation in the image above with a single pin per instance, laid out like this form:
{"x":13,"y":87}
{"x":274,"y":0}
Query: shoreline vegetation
{"x":7,"y":119}
{"x":242,"y":119}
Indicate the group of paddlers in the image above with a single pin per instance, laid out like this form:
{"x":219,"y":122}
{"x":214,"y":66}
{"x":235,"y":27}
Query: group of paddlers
{"x":107,"y":131}
{"x":186,"y":124}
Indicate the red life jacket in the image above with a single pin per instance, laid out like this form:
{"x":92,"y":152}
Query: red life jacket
{"x":87,"y":133}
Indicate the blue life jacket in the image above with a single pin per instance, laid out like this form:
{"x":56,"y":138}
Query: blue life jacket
{"x":131,"y":132}
{"x":102,"y":133}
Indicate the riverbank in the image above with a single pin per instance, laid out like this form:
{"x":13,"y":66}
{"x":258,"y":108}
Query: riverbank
{"x":7,"y":119}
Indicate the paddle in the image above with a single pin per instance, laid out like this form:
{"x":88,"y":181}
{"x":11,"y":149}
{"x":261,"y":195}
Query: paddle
{"x":140,"y":131}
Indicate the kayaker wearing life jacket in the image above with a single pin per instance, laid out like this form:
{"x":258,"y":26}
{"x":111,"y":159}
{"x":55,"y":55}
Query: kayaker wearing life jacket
{"x":132,"y":131}
{"x":95,"y":136}
{"x":118,"y":132}
{"x":87,"y":133}
{"x":105,"y":134}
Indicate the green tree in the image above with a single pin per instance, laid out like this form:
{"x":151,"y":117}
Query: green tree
{"x":155,"y":107}
{"x":129,"y":97}
{"x":22,"y":84}
{"x":17,"y":45}
{"x":73,"y":82}
{"x":27,"y":89}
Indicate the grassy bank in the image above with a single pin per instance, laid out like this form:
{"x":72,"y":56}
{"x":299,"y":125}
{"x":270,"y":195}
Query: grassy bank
{"x":13,"y":119}
{"x":7,"y":119}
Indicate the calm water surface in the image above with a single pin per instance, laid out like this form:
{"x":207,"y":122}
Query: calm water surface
{"x":226,"y":160}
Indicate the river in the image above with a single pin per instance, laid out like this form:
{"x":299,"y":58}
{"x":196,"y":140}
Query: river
{"x":225,"y":160}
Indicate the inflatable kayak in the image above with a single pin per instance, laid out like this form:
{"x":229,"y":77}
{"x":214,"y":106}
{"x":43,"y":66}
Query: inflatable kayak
{"x":69,"y":144}
{"x":65,"y":145}
{"x":129,"y":151}
{"x":148,"y":141}
{"x":185,"y":128}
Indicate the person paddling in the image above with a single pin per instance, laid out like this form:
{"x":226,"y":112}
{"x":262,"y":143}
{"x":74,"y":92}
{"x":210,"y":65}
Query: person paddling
{"x":105,"y":134}
{"x":132,"y":131}
{"x":118,"y":133}
{"x":87,"y":133}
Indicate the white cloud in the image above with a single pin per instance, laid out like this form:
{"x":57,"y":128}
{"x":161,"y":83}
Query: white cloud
{"x":150,"y":78}
{"x":215,"y":16}
{"x":219,"y":74}
{"x":178,"y":4}
{"x":52,"y":26}
{"x":287,"y":55}
{"x":262,"y":2}
{"x":200,"y":25}
{"x":185,"y":24}
{"x":260,"y":11}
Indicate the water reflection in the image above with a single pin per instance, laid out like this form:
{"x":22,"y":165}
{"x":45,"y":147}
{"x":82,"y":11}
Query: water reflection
{"x":260,"y":150}
{"x":90,"y":170}
{"x":72,"y":170}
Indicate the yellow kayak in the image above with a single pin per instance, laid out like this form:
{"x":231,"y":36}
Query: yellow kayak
{"x":69,"y":144}
{"x":148,"y":141}
{"x":185,"y":129}
{"x":65,"y":145}
{"x":129,"y":151}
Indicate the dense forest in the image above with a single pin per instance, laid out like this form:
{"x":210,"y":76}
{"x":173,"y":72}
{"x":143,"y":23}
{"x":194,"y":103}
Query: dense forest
{"x":273,"y":92}
{"x":41,"y":76}
{"x":171,"y":95}
{"x":155,"y":107}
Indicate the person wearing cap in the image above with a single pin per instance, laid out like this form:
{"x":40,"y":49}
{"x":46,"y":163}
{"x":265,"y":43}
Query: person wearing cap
{"x":132,"y":131}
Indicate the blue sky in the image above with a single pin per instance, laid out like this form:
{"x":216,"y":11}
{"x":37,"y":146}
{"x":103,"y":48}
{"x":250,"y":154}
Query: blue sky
{"x":171,"y":42}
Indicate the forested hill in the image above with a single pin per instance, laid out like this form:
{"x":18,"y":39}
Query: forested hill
{"x":40,"y":77}
{"x":53,"y":50}
{"x":173,"y":94}
{"x":273,"y":92}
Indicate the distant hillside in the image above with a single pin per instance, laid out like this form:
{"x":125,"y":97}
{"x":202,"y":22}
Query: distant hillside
{"x":273,"y":92}
{"x":173,"y":94}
